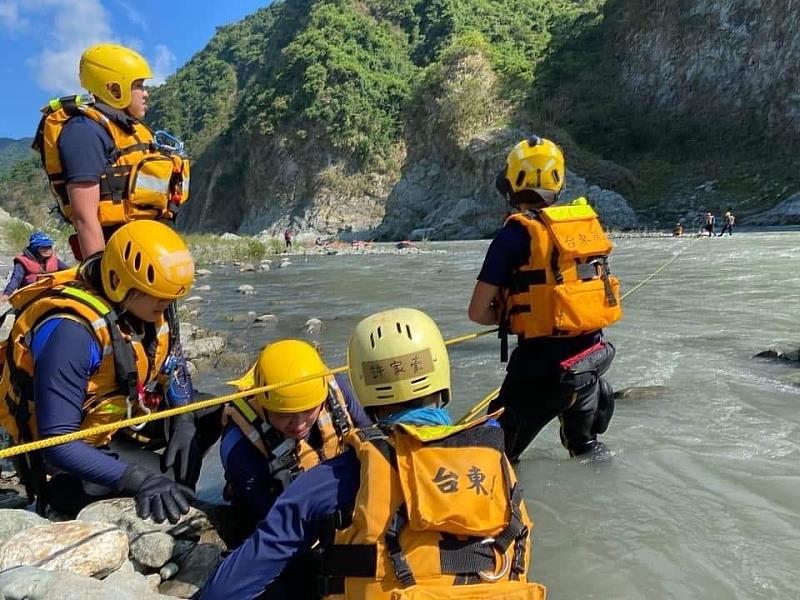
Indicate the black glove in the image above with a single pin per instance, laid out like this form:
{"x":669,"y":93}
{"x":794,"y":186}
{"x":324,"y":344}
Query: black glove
{"x":181,"y":435}
{"x":156,"y":495}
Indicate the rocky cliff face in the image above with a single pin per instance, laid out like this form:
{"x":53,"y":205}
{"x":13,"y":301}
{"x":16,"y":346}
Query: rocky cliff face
{"x":731,"y":58}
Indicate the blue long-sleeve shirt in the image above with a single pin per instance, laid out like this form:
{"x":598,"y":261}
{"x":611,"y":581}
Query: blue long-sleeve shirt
{"x":18,"y":275}
{"x":293,"y":524}
{"x":246,"y":468}
{"x":65,"y":355}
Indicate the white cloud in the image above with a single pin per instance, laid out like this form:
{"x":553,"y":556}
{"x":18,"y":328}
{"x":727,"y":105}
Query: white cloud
{"x":10,"y":18}
{"x":63,"y":30}
{"x":133,"y":15}
{"x":163,"y":64}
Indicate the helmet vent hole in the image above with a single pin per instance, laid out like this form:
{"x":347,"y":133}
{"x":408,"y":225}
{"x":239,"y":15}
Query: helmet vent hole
{"x":384,"y":388}
{"x":538,"y":178}
{"x":418,"y":380}
{"x":113,"y":279}
{"x":556,"y":177}
{"x":126,"y":253}
{"x":421,"y":388}
{"x":372,"y":340}
{"x":520,"y":178}
{"x":408,"y":332}
{"x":137,"y":261}
{"x":379,"y":333}
{"x":399,"y":328}
{"x":151,"y":274}
{"x":385,"y":397}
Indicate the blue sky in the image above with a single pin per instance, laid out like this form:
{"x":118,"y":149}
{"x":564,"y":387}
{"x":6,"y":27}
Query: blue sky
{"x":41,"y":41}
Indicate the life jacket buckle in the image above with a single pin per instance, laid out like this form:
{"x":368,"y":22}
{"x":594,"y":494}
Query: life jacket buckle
{"x":505,"y":564}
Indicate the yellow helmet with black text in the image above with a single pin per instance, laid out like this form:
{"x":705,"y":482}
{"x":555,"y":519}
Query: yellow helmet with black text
{"x":398,"y":355}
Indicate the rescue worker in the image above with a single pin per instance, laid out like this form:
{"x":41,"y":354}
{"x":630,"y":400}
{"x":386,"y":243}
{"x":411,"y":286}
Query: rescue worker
{"x":78,"y":357}
{"x":709,"y":223}
{"x":546,"y":278}
{"x":37,"y":259}
{"x":727,"y":223}
{"x":105,"y":166}
{"x":272,"y":437}
{"x":419,"y":508}
{"x":678,"y":230}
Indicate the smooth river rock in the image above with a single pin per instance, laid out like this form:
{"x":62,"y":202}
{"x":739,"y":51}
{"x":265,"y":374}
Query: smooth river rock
{"x":150,"y":544}
{"x":30,"y":583}
{"x":12,"y":521}
{"x":92,"y":549}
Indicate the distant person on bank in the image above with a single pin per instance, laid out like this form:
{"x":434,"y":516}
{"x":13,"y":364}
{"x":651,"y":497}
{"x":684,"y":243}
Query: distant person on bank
{"x":37,"y":259}
{"x":678,"y":231}
{"x":287,"y":238}
{"x":727,"y":224}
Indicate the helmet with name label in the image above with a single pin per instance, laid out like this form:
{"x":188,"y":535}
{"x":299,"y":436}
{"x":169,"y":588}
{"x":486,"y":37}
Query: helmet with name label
{"x":398,"y":355}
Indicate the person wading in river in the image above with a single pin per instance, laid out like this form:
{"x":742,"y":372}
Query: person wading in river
{"x":546,"y":278}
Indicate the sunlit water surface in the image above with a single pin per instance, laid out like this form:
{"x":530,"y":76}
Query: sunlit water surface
{"x":701,"y":498}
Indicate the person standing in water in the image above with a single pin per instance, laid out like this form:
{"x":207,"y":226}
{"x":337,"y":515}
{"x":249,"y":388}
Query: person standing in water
{"x":709,"y":224}
{"x":727,"y":224}
{"x":546,"y":278}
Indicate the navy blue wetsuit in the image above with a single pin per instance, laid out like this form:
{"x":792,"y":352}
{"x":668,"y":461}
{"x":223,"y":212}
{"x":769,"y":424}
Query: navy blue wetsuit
{"x":246,"y":467}
{"x":532,"y":392}
{"x":85,"y":149}
{"x":59,"y":392}
{"x":292,"y":525}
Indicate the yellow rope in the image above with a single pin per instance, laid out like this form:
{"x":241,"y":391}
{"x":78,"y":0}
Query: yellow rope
{"x":194,"y":406}
{"x":481,"y":406}
{"x":202,"y":404}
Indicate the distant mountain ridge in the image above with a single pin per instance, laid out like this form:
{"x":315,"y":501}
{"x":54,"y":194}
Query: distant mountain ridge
{"x":14,"y":151}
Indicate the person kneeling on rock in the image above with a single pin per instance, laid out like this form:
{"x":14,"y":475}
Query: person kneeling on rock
{"x":417,"y":507}
{"x":81,"y":357}
{"x":270,"y":438}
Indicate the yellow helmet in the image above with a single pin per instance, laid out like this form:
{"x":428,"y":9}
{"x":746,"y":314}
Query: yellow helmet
{"x":288,"y":360}
{"x":147,"y":256}
{"x":398,"y":355}
{"x":104,"y":64}
{"x":536,"y":165}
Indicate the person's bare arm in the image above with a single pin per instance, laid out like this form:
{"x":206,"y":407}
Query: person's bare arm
{"x":483,"y":307}
{"x":84,"y":198}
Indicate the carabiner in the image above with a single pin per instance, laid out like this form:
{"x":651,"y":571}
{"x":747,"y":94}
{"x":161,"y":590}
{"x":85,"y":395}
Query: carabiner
{"x":505,"y":564}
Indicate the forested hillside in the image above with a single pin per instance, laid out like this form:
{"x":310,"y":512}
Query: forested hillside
{"x":383,"y":116}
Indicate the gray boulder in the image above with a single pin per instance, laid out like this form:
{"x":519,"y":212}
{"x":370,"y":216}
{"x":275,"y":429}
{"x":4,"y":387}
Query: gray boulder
{"x":150,"y":545}
{"x":92,"y":549}
{"x":12,"y":521}
{"x":193,"y":572}
{"x":30,"y":583}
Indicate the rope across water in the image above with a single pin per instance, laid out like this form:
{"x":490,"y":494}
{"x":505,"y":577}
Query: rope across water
{"x":203,"y":404}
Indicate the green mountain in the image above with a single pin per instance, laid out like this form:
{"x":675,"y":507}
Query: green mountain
{"x":386,"y":116}
{"x":13,"y":151}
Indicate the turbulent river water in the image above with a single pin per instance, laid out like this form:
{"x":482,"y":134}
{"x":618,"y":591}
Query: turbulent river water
{"x":701,"y":497}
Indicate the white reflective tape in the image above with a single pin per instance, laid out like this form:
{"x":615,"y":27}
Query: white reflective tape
{"x":253,"y":436}
{"x":179,"y":258}
{"x":287,"y":445}
{"x":98,"y":324}
{"x":163,"y":329}
{"x":151,"y":184}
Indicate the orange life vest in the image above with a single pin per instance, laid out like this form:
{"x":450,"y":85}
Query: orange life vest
{"x":111,"y":392}
{"x":34,"y":268}
{"x":566,"y":288}
{"x":287,"y":457}
{"x":439,"y":515}
{"x":143,"y":180}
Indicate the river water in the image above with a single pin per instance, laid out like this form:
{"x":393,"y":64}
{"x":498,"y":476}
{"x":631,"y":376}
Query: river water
{"x":701,"y":497}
